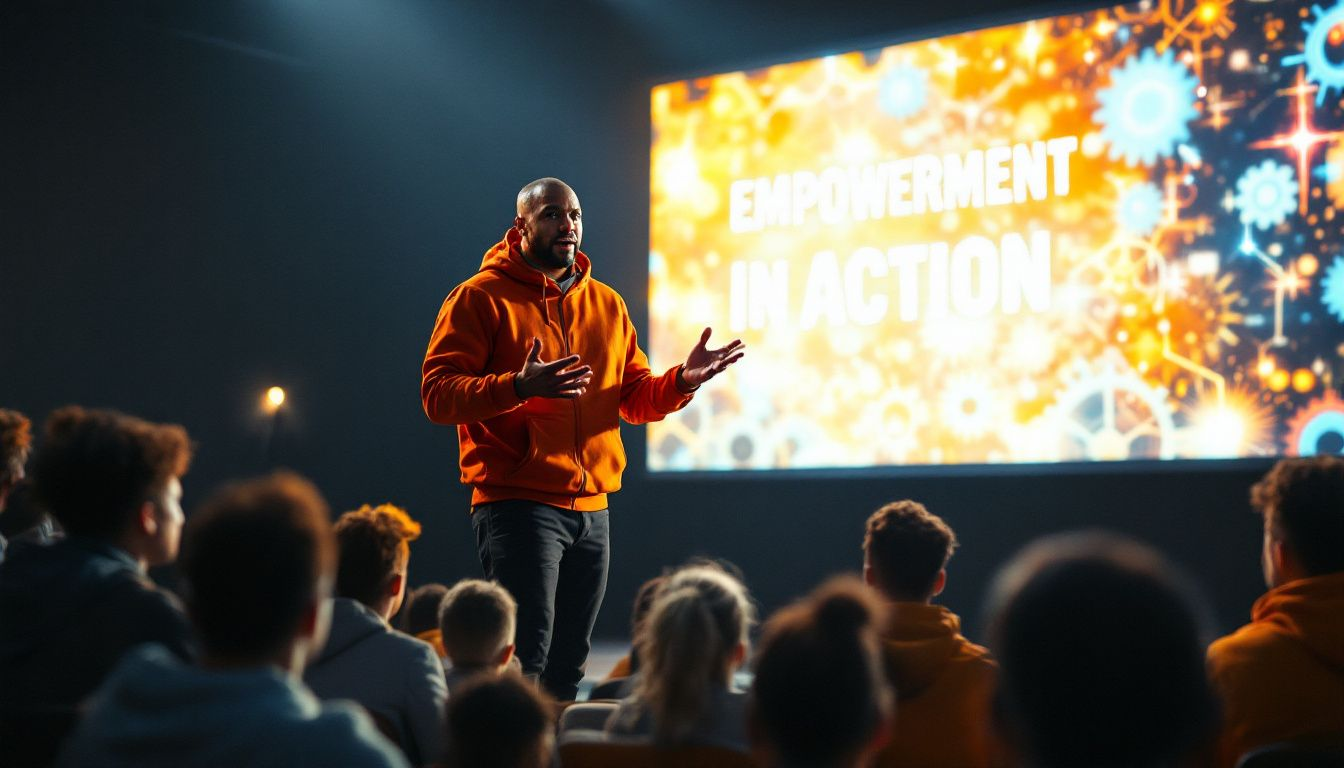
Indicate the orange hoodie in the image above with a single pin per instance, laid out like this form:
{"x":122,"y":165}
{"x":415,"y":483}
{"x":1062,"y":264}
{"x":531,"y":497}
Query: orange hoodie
{"x":1281,"y":677}
{"x":944,"y":684}
{"x":566,"y":453}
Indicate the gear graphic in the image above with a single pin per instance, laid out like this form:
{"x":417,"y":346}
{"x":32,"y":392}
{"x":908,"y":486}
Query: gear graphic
{"x":1318,"y":419}
{"x":969,"y":406}
{"x":743,"y":443}
{"x":1146,"y":109}
{"x":1321,"y":70}
{"x":1111,"y":414}
{"x":891,"y":423}
{"x":904,"y":91}
{"x":1266,"y":194}
{"x":1140,"y":208}
{"x":1332,"y":288}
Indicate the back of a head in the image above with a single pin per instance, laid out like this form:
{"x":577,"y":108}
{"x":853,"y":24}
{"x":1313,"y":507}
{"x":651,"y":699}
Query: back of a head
{"x":499,"y":722}
{"x":95,"y":467}
{"x":253,"y":559}
{"x":1304,"y":499}
{"x":477,"y":620}
{"x":422,"y":608}
{"x":819,"y":696}
{"x":1101,"y":654}
{"x":907,"y":546}
{"x":15,"y":438}
{"x":373,"y":545}
{"x":686,"y":644}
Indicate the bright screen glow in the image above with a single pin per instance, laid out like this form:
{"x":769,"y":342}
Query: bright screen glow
{"x":1096,"y":237}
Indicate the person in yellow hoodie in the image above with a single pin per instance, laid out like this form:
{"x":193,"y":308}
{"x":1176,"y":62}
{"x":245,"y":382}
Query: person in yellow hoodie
{"x":943,"y":682}
{"x":1281,"y":677}
{"x":539,"y":440}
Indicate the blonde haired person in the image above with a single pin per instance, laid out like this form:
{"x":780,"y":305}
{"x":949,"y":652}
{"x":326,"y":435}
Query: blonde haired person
{"x":476,"y":622}
{"x":691,"y":643}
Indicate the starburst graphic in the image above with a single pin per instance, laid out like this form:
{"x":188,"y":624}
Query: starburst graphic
{"x":1266,"y":194}
{"x":1302,"y":141}
{"x":1321,"y":70}
{"x":1332,"y":288}
{"x":1146,"y":110}
{"x":904,"y":91}
{"x":1140,"y":208}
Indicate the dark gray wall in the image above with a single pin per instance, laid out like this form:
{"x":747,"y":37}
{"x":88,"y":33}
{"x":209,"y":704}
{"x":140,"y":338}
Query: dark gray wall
{"x":198,"y":200}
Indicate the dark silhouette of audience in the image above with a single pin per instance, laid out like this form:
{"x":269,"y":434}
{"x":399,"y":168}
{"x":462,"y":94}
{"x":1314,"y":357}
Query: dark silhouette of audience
{"x":70,"y":610}
{"x":621,"y":680}
{"x":1100,"y":647}
{"x":420,"y":615}
{"x":258,"y":563}
{"x":500,"y":721}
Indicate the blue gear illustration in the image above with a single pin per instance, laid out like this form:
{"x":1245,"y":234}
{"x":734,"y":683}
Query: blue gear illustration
{"x":1332,"y":288}
{"x":1320,"y":70}
{"x":1140,"y":208}
{"x":1146,"y":109}
{"x":904,"y":91}
{"x":1266,"y":194}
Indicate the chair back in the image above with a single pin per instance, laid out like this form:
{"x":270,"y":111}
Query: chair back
{"x":586,"y":715}
{"x":592,"y":754}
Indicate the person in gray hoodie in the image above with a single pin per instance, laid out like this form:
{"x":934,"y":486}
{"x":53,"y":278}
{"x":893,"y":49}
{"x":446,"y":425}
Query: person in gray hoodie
{"x":397,"y":678}
{"x":70,"y":610}
{"x":257,"y":562}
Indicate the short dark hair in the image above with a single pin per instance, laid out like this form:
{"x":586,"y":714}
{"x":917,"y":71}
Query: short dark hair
{"x":495,"y":721}
{"x":820,"y":694}
{"x":373,"y":545}
{"x":907,"y":546}
{"x":422,"y":608}
{"x":15,"y":437}
{"x":477,"y":619}
{"x":253,"y":560}
{"x":1100,"y":646}
{"x":1303,"y":499}
{"x":95,"y":467}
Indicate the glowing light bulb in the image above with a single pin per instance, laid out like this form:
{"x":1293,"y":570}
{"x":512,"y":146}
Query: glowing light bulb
{"x":275,"y":397}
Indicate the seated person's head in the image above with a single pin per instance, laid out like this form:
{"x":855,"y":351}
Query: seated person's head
{"x":107,"y":476}
{"x":257,"y":563}
{"x":905,"y":552}
{"x":421,"y":613}
{"x":643,"y":604}
{"x":477,"y":620}
{"x":691,"y":642}
{"x":1302,"y":501}
{"x":374,"y":547}
{"x":820,"y":697}
{"x":1101,"y":655}
{"x":499,"y":722}
{"x":14,"y":441}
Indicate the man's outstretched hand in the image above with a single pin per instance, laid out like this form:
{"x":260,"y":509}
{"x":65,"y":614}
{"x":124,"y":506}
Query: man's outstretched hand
{"x":553,"y":379}
{"x":704,"y":364}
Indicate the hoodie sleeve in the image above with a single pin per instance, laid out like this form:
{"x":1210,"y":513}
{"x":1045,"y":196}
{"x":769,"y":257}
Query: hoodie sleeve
{"x":454,"y":387}
{"x":645,"y":397}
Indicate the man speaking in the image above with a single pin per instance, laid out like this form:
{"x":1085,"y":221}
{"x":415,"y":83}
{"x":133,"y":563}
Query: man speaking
{"x":536,"y":362}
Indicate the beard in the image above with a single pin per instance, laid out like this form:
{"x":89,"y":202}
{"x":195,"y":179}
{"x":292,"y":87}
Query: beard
{"x":552,"y":257}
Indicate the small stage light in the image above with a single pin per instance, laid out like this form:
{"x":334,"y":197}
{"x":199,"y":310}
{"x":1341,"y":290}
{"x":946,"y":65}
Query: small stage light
{"x":275,"y":397}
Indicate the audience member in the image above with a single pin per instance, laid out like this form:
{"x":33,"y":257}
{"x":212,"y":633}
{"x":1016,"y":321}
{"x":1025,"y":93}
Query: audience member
{"x":397,"y":678}
{"x":477,"y":620}
{"x":70,"y":610}
{"x":943,"y":682}
{"x":1101,"y":661}
{"x":1281,"y":677}
{"x":14,"y":442}
{"x":500,"y":721}
{"x":819,"y":697}
{"x":257,"y":563}
{"x":690,"y":645}
{"x":620,"y":682}
{"x":420,"y":616}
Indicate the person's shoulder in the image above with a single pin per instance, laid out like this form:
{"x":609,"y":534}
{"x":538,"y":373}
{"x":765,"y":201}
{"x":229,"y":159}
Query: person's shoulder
{"x":1247,"y":643}
{"x":343,"y":734}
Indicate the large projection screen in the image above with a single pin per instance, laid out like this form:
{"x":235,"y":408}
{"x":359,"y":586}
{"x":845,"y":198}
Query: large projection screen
{"x":1106,"y":236}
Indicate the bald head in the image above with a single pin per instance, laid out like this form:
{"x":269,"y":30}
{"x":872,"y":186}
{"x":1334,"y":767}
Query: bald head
{"x":539,"y":190}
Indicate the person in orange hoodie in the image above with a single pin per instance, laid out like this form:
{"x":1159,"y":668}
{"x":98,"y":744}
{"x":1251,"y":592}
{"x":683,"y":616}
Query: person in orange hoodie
{"x":943,"y":682}
{"x":1281,"y":677}
{"x":539,"y":439}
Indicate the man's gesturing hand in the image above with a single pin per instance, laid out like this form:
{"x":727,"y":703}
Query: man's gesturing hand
{"x":553,"y":379}
{"x":704,"y":364}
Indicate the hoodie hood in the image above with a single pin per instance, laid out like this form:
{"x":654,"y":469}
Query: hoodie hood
{"x":920,"y":641}
{"x":506,"y":257}
{"x":1312,"y":612}
{"x":352,"y":623}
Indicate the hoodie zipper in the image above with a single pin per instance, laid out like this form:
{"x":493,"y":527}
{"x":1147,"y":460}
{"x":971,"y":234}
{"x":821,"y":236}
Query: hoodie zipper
{"x":564,"y":336}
